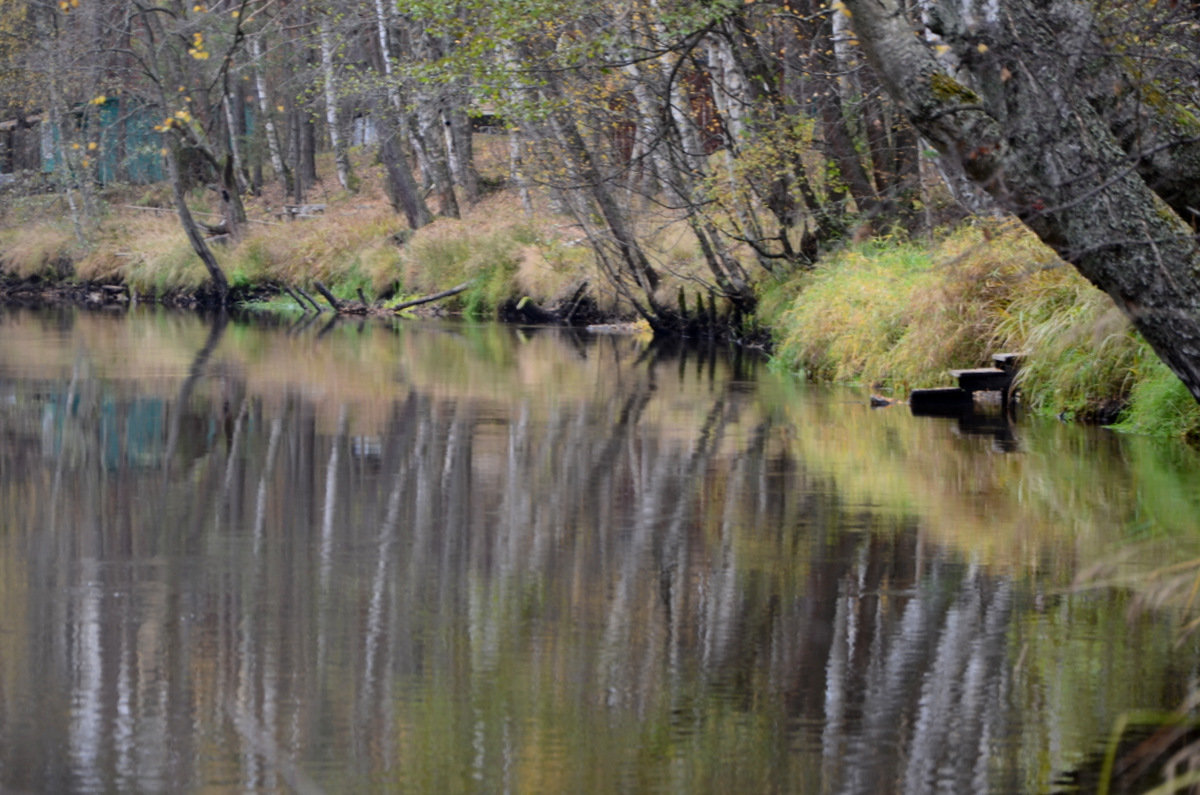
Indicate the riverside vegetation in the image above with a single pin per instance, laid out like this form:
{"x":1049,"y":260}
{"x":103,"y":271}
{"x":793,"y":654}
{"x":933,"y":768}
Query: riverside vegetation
{"x":893,"y":312}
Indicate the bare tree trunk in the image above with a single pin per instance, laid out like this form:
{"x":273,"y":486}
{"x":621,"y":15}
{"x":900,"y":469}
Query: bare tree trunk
{"x":401,"y":184}
{"x":233,"y":210}
{"x":337,"y":140}
{"x":264,"y":108}
{"x":235,"y":149}
{"x":459,"y":151}
{"x":79,"y":206}
{"x":63,"y":169}
{"x":516,"y":170}
{"x":428,"y":137}
{"x":303,"y":152}
{"x":220,"y":284}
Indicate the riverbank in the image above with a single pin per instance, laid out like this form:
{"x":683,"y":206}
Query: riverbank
{"x":898,"y":314}
{"x":354,"y":243}
{"x":890,"y":313}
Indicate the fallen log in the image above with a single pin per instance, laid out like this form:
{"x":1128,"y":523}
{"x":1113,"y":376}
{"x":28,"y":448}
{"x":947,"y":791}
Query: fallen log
{"x":296,"y":298}
{"x":435,"y":297}
{"x":310,"y":299}
{"x":344,"y":307}
{"x":330,"y":297}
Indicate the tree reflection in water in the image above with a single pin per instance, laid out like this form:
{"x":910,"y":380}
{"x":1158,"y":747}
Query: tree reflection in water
{"x":628,"y":582}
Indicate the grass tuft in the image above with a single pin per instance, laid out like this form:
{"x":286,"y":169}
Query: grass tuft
{"x":45,"y":248}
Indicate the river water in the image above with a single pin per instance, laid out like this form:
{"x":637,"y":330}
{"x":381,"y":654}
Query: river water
{"x":243,"y":557}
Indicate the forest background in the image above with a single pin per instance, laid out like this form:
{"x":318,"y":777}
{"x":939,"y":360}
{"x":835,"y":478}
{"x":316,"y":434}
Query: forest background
{"x":743,"y":170}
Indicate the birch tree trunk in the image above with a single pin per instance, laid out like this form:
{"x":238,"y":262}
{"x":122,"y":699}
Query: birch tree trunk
{"x":459,"y":150}
{"x":337,"y":140}
{"x":274,"y":150}
{"x":401,"y":184}
{"x":427,"y":136}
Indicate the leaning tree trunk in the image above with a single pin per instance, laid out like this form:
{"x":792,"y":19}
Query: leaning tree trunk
{"x":401,"y":184}
{"x":574,"y":148}
{"x":220,"y":284}
{"x":1017,"y":121}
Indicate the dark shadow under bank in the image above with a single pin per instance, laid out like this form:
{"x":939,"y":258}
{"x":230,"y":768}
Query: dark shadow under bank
{"x":37,"y":292}
{"x":579,"y":311}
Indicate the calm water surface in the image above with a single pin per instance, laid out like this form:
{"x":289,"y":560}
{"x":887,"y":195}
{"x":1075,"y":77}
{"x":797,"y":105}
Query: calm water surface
{"x":453,"y":558}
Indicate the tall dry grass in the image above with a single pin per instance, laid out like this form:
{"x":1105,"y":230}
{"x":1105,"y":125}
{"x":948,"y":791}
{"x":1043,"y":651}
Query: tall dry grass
{"x":38,"y":248}
{"x":899,"y":314}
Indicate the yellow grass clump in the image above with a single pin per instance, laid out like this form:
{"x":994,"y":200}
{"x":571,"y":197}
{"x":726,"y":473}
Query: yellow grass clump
{"x":897,"y":314}
{"x":41,"y":248}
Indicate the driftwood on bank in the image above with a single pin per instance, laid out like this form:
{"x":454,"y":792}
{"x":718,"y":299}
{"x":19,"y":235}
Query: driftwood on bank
{"x":334,"y":301}
{"x":309,"y":298}
{"x":527,"y":309}
{"x":435,"y":297}
{"x":304,"y":302}
{"x":362,"y":306}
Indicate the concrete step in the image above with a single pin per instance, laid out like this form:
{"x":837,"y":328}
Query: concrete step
{"x":1008,"y":361}
{"x":984,"y":379}
{"x":941,"y":402}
